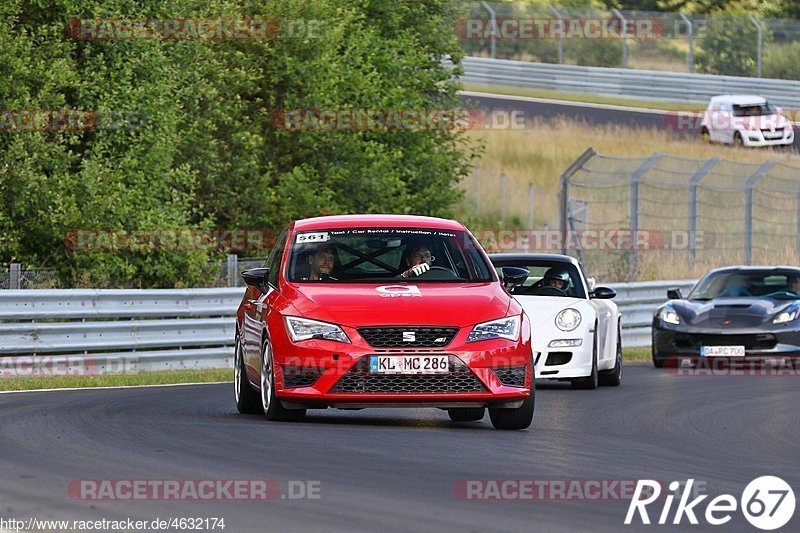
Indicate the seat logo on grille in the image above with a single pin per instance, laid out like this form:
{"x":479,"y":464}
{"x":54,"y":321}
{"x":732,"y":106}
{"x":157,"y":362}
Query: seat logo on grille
{"x":409,"y":336}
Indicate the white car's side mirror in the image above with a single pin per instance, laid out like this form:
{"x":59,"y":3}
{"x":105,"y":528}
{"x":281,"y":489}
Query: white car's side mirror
{"x":591,"y":283}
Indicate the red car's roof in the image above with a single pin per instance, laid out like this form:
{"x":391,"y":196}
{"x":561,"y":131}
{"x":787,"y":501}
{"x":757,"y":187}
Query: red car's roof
{"x":373,"y":221}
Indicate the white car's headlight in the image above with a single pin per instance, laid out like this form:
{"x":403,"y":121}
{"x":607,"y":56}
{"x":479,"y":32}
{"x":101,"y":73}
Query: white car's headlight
{"x":568,"y":319}
{"x":787,"y":316}
{"x":669,"y":316}
{"x":503,"y":328}
{"x":302,"y":329}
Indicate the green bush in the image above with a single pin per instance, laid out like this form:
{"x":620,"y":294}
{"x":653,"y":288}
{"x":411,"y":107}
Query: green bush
{"x":729,"y":46}
{"x":782,"y":61}
{"x":208,"y":152}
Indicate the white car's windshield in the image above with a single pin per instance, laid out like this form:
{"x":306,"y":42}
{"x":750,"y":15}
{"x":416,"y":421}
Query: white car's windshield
{"x":383,"y":254}
{"x":754,"y":110}
{"x":547,"y":278}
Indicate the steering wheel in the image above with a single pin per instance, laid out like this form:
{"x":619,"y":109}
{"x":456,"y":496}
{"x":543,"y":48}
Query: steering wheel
{"x":549,"y":291}
{"x":437,"y":269}
{"x":782,"y":293}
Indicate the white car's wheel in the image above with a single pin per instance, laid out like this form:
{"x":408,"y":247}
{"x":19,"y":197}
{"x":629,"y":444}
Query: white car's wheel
{"x":590,"y":381}
{"x":613,"y":377}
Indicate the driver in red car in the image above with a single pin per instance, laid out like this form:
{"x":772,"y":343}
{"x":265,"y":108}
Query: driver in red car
{"x":321,"y":264}
{"x":418,"y":258}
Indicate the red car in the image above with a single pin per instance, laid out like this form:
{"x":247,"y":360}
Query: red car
{"x":359,"y":311}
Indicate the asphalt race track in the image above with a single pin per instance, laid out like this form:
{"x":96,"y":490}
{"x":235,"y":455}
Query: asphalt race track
{"x":395,"y":470}
{"x":588,"y":113}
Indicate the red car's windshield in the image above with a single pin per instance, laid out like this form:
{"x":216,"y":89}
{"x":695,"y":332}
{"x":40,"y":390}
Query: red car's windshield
{"x":382,"y":254}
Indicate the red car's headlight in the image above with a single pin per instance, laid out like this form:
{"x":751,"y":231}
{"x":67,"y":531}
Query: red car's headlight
{"x":502,"y":328}
{"x":303,"y":329}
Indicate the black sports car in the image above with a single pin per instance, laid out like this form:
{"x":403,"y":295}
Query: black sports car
{"x":733,"y":312}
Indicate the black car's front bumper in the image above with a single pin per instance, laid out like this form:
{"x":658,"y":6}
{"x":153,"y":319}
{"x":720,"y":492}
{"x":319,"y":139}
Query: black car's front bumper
{"x":686,"y":341}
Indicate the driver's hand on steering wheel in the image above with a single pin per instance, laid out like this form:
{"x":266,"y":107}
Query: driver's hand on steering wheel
{"x":416,"y":270}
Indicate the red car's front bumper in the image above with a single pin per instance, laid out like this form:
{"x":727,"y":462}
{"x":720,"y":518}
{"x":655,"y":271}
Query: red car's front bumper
{"x":321,"y":373}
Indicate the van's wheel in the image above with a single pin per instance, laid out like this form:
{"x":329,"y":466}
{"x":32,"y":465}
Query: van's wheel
{"x":273,"y":409}
{"x":247,"y":400}
{"x":613,"y":377}
{"x":737,"y":140}
{"x":467,"y":414}
{"x":591,"y":381}
{"x":705,"y":134}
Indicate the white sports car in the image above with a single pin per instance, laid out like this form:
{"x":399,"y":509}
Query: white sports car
{"x":575,"y":328}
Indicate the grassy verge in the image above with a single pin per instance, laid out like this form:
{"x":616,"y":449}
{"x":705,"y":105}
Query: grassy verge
{"x":583,"y":97}
{"x":117,"y":380}
{"x":636,"y":355}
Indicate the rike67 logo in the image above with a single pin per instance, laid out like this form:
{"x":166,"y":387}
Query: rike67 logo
{"x":767,"y":503}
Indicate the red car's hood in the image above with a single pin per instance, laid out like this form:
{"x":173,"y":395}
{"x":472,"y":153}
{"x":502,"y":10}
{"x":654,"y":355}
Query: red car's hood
{"x":441,"y":304}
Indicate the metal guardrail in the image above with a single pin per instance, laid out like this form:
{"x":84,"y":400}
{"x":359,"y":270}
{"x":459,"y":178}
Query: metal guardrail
{"x":99,"y":331}
{"x":637,"y":302}
{"x":642,"y":84}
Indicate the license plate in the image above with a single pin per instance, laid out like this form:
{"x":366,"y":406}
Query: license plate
{"x":409,"y":364}
{"x":722,"y":351}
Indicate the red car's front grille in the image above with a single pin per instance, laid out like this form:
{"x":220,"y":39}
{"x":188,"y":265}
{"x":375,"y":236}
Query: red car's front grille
{"x":408,"y":336}
{"x":459,"y":379}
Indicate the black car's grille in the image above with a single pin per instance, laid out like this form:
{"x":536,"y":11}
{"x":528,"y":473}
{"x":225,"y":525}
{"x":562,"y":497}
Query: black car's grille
{"x":358,"y":379}
{"x":750,"y":341}
{"x":295,"y":376}
{"x":408,"y":337}
{"x":512,"y":376}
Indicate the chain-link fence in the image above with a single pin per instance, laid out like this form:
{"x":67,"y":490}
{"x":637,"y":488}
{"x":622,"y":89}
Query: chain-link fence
{"x":670,"y":217}
{"x":497,"y":199}
{"x":715,"y":44}
{"x":16,"y":277}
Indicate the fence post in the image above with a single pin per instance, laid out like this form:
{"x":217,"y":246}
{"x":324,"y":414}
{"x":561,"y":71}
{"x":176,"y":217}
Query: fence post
{"x":14,"y":276}
{"x":493,"y":37}
{"x":694,"y":184}
{"x":233,"y":267}
{"x":760,"y":44}
{"x":531,"y":193}
{"x":563,"y":194}
{"x":748,"y":208}
{"x":691,"y":41}
{"x":560,"y":34}
{"x":477,"y":190}
{"x":624,"y":34}
{"x":636,"y":178}
{"x":503,"y":180}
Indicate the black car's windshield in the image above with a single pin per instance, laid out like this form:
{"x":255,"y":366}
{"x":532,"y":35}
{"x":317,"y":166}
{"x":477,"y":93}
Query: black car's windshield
{"x":754,"y":110}
{"x":383,"y":254}
{"x":547,"y":278}
{"x":779,"y":284}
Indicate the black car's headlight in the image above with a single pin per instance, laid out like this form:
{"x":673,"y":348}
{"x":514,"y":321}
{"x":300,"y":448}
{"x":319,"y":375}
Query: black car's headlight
{"x":302,"y":329}
{"x":669,"y":315}
{"x":502,"y":328}
{"x":784,"y":317}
